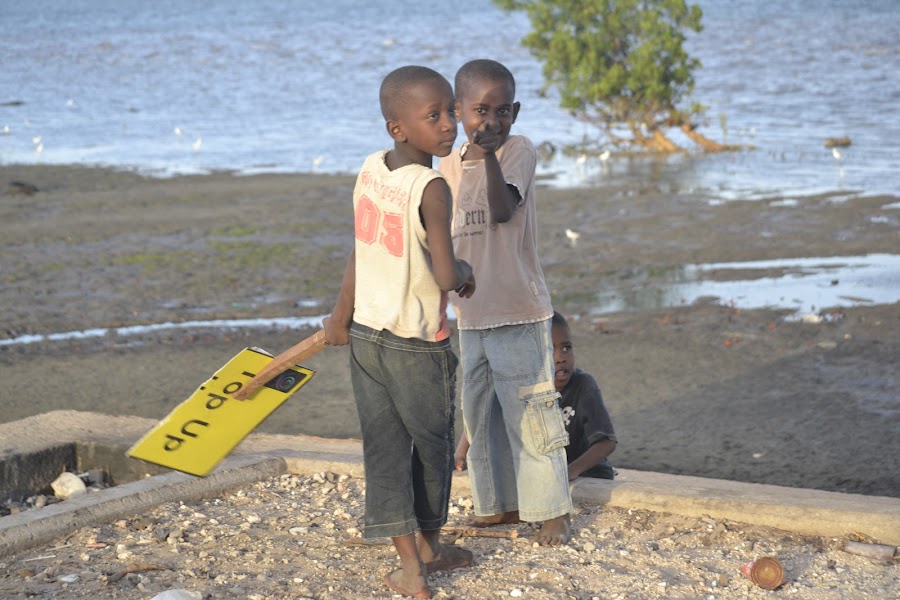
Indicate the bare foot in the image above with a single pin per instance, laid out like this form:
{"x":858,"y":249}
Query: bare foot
{"x":506,"y":518}
{"x":413,"y":586}
{"x":554,"y":532}
{"x":447,"y":558}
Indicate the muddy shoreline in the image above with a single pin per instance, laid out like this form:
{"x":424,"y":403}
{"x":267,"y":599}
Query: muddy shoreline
{"x":702,"y":389}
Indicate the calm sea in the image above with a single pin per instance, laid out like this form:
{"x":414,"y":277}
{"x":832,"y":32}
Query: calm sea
{"x":181,"y":87}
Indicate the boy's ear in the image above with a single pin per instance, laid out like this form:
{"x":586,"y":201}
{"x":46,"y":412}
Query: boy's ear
{"x":516,"y":107}
{"x":395,"y":130}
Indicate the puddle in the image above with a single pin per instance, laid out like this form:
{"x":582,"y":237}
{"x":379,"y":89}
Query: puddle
{"x":805,"y":285}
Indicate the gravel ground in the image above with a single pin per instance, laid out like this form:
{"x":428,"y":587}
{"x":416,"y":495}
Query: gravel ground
{"x":300,"y":537}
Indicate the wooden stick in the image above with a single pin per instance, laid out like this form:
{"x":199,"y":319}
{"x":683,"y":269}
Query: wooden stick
{"x":282,"y":363}
{"x":510,"y":534}
{"x":135,"y":568}
{"x":877,"y":551}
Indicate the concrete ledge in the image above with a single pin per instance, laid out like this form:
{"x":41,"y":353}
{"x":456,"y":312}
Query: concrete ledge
{"x":810,"y":512}
{"x":261,"y":456}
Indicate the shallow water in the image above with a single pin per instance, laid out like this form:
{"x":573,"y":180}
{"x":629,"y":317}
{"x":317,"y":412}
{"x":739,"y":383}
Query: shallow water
{"x":803,"y":285}
{"x":171,"y":87}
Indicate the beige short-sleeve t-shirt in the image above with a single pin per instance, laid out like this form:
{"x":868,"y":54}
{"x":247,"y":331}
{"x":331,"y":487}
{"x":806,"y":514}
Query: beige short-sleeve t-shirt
{"x":504,"y":256}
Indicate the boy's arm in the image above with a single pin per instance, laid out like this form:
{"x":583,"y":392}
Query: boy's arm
{"x":337,"y":326}
{"x":503,"y":199}
{"x":459,"y":457}
{"x":592,"y":457}
{"x":449,"y":273}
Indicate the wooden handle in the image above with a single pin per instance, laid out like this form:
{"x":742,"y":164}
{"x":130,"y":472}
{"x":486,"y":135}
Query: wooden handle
{"x":509,"y":534}
{"x":282,"y":363}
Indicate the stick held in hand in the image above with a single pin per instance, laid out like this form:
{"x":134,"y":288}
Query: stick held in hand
{"x":281,"y":363}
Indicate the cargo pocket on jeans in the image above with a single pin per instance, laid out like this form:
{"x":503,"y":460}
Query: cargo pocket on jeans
{"x":545,"y":419}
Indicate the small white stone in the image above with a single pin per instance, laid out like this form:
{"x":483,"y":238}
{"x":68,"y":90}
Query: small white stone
{"x":68,"y":485}
{"x":516,"y":593}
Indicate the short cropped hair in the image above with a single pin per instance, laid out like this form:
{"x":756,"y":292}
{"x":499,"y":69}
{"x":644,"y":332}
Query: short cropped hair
{"x":481,"y":68}
{"x":559,"y":320}
{"x":392,"y":94}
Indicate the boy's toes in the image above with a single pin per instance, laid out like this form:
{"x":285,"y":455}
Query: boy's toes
{"x":554,"y":532}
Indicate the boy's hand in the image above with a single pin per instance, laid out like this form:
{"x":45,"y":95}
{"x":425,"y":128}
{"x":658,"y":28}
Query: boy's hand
{"x":459,"y":462}
{"x":468,"y":288}
{"x":459,"y":457}
{"x":488,"y":141}
{"x":335,"y":335}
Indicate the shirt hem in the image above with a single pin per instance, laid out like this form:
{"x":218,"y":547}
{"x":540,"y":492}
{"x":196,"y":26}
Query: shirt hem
{"x":526,"y":321}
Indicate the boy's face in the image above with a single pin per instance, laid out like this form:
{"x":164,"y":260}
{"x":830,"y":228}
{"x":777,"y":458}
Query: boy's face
{"x":427,"y":120}
{"x":563,"y":356}
{"x":487,"y":110}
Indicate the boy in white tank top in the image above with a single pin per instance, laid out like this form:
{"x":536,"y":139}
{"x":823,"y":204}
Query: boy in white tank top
{"x":392,"y":311}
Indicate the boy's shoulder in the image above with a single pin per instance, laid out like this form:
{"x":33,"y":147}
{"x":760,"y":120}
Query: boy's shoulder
{"x":518,"y":150}
{"x":582,"y":381}
{"x":518,"y":142}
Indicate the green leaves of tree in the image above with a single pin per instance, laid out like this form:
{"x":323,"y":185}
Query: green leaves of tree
{"x":615,"y":61}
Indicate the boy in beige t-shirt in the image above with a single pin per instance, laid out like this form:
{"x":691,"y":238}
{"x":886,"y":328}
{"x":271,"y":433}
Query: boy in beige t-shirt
{"x":516,"y":457}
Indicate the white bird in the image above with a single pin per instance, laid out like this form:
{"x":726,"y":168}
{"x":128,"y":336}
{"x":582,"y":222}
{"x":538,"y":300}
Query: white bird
{"x":317,"y":161}
{"x":177,"y":131}
{"x":6,"y":130}
{"x":836,"y":154}
{"x":604,"y":156}
{"x":573,"y":236}
{"x":39,"y":148}
{"x":581,"y":159}
{"x":197,"y":143}
{"x":36,"y":140}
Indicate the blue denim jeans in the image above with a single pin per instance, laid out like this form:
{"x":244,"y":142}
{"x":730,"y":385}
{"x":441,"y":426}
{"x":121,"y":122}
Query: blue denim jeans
{"x":405,"y":393}
{"x":517,"y":456}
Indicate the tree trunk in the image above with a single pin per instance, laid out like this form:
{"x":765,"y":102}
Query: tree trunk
{"x":701,"y":140}
{"x":657,"y":142}
{"x":660,"y":143}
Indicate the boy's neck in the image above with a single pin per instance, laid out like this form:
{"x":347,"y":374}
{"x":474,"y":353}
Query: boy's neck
{"x":399,"y":157}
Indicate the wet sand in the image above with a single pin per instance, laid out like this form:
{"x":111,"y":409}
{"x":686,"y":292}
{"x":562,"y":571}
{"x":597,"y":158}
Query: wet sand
{"x":703,"y":389}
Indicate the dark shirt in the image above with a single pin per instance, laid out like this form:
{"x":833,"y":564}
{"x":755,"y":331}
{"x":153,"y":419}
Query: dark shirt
{"x":586,"y":421}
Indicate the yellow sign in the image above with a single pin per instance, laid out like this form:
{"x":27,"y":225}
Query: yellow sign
{"x":206,"y":427}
